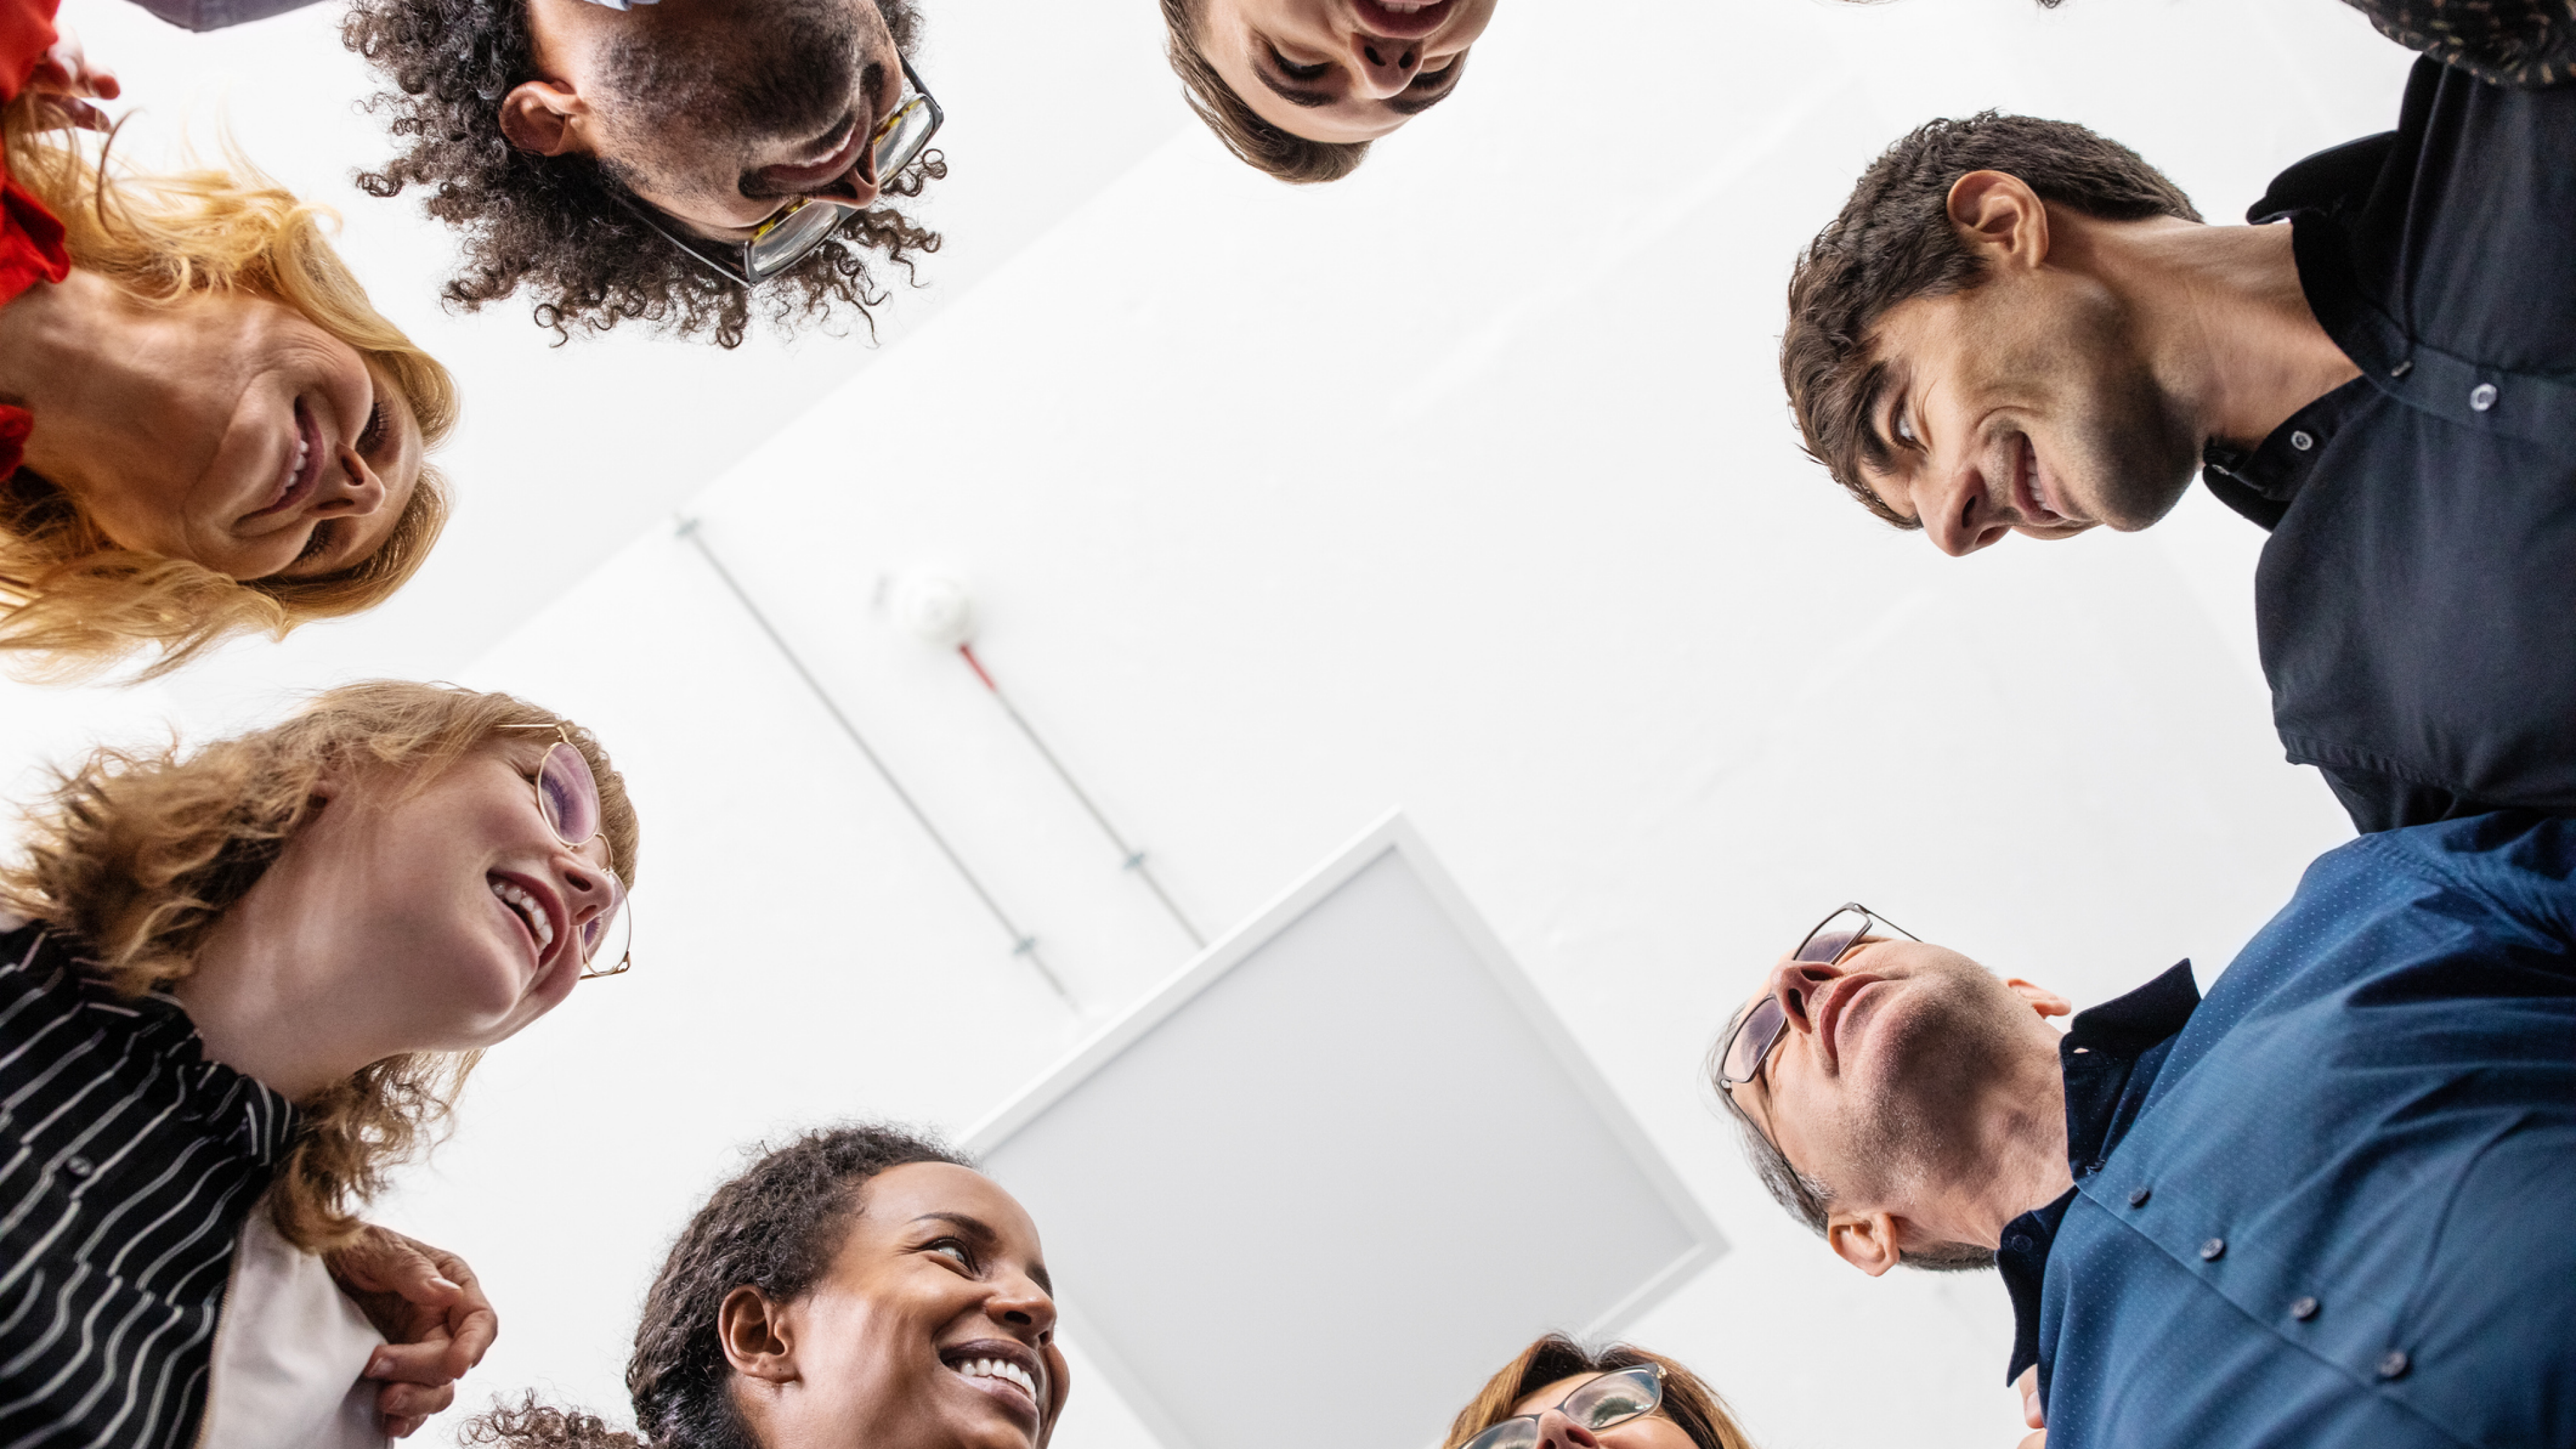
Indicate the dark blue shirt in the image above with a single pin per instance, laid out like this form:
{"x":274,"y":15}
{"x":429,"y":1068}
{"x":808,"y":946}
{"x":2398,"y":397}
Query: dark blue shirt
{"x":2335,"y":1203}
{"x":2416,"y":603}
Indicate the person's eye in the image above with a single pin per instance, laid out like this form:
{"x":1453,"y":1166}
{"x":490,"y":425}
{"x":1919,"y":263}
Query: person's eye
{"x":1432,"y":80}
{"x":373,"y":436}
{"x":1905,"y":431}
{"x":316,"y":544}
{"x":1298,"y":72}
{"x":957,"y":1249}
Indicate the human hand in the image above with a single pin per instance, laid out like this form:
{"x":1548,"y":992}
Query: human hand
{"x":436,"y":1322}
{"x":64,"y":77}
{"x":2031,"y":1413}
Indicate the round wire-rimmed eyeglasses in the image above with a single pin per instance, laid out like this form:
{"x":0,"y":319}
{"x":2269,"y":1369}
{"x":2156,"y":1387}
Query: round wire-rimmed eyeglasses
{"x":805,"y":222}
{"x":568,"y":798}
{"x":1613,"y":1398}
{"x":1834,"y":937}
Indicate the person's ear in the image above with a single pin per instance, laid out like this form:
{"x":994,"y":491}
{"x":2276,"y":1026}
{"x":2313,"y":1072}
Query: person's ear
{"x":1867,"y":1241}
{"x":2041,"y":999}
{"x":2000,"y":217}
{"x":758,"y":1340}
{"x":546,"y":118}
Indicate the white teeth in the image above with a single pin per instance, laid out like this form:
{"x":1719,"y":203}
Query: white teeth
{"x":295,"y":469}
{"x":1003,"y":1369}
{"x":529,"y":909}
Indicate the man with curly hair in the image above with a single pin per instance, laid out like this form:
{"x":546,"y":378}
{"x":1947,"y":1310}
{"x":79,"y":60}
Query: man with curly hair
{"x":648,"y":163}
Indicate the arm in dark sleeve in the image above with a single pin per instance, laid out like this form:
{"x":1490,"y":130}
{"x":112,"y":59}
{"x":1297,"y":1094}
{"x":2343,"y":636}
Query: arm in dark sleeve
{"x":217,"y":14}
{"x":2522,"y":43}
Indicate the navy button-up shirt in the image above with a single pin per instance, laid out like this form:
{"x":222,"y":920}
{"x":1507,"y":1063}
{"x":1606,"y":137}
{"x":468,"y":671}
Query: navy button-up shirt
{"x":2331,"y":1204}
{"x":2416,"y":603}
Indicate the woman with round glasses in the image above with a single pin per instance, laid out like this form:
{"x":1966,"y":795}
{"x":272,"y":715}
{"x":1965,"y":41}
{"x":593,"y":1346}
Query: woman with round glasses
{"x":1560,"y":1395}
{"x":205,"y":427}
{"x":255,"y":974}
{"x":859,"y":1286}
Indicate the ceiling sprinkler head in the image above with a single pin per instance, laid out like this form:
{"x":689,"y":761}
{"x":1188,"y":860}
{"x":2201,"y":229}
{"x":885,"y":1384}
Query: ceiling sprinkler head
{"x":937,"y":609}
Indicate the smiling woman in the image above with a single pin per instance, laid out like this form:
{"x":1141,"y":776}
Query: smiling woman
{"x":205,"y":427}
{"x":1300,"y":88}
{"x":265,"y":967}
{"x":860,"y":1285}
{"x":1560,"y":1395}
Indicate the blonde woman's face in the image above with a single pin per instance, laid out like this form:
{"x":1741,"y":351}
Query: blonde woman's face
{"x":464,"y":907}
{"x":230,"y":431}
{"x":1652,"y":1431}
{"x":1341,"y":70}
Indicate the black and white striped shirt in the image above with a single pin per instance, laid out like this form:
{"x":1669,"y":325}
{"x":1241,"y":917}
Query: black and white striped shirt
{"x":127,"y":1165}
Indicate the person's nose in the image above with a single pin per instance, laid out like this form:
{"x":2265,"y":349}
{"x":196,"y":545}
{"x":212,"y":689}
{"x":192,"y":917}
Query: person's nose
{"x":354,"y":492}
{"x":1959,"y":510}
{"x":1796,"y":985}
{"x":1555,"y":1431}
{"x":1384,"y":67}
{"x":591,"y":890}
{"x":1019,"y":1304}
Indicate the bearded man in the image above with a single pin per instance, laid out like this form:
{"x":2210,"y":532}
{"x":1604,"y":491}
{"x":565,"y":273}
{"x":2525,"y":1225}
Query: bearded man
{"x":683,"y":164}
{"x":2325,"y":1206}
{"x":2019,"y":326}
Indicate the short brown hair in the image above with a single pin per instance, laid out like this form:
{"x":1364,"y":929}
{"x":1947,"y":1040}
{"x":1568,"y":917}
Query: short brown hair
{"x":73,"y":602}
{"x":1688,"y":1401}
{"x":1894,"y":242}
{"x":140,"y":853}
{"x":1259,"y":144}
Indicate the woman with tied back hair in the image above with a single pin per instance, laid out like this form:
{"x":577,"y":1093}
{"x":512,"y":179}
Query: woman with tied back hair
{"x":205,"y":427}
{"x":860,"y":1285}
{"x":265,"y":966}
{"x":1560,"y":1395}
{"x":1299,"y":88}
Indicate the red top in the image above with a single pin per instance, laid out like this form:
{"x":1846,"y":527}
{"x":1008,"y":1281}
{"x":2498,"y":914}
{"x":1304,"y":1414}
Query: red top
{"x":31,"y":239}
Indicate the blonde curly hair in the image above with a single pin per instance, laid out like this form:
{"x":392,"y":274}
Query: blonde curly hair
{"x":72,"y":602}
{"x":138,"y":854}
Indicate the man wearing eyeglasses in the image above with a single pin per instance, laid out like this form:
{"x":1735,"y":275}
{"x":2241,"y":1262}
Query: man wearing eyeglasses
{"x":686,"y":163}
{"x":2328,"y":1205}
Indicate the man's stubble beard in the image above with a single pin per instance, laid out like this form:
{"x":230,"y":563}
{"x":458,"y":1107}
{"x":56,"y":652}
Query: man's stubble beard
{"x":1921,"y":1131}
{"x":2127,"y":432}
{"x":669,"y":108}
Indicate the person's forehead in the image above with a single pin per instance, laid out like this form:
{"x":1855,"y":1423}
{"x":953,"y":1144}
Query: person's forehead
{"x":901,"y":1195}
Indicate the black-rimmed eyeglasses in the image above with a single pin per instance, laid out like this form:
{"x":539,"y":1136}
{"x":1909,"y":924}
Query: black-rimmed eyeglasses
{"x":793,"y":231}
{"x":1833,"y":938}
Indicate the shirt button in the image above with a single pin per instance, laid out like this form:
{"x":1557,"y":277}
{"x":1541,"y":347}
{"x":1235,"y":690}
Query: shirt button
{"x":2138,"y":1196}
{"x":2395,"y":1365}
{"x":2304,"y":1309}
{"x":2302,"y":441}
{"x":78,"y":1166}
{"x":2213,"y":1250}
{"x":2019,"y":1243}
{"x":2483,"y":396}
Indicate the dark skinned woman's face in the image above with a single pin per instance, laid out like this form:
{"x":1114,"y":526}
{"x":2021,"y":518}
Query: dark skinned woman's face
{"x":934,"y":1328}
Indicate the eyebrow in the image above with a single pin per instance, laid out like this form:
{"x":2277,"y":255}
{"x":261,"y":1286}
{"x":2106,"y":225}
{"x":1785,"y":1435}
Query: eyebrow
{"x":977,"y":1228}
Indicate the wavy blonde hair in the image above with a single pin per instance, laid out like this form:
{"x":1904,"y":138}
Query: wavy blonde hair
{"x":138,"y":854}
{"x":71,"y":601}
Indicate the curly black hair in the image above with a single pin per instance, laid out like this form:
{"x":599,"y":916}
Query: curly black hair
{"x":555,"y":225}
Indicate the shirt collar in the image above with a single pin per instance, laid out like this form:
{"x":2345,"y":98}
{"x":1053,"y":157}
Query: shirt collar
{"x":2110,"y":1056}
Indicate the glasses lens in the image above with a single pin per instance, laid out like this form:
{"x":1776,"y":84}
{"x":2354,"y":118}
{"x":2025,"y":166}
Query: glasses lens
{"x":1509,"y":1434}
{"x":569,"y":795}
{"x":903,"y":135}
{"x":1753,"y":1040}
{"x":606,"y":937}
{"x":1615,"y":1398}
{"x":1833,"y":938}
{"x":806,"y":226}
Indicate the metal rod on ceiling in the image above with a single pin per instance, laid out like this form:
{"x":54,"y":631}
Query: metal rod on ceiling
{"x":1022,"y":943}
{"x":1134,"y":858}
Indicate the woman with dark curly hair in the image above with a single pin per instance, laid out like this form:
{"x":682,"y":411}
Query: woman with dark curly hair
{"x":860,"y":1285}
{"x":1299,"y":88}
{"x":684,"y":164}
{"x":205,"y":427}
{"x":253,"y":977}
{"x":1560,"y":1395}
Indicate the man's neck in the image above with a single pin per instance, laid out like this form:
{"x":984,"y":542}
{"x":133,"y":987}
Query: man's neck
{"x":2226,"y":324}
{"x":2018,"y":1161}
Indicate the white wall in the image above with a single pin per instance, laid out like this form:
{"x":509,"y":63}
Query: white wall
{"x":1465,"y":484}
